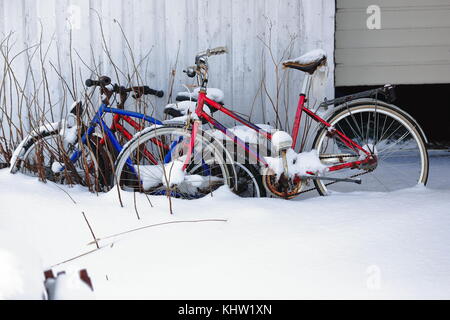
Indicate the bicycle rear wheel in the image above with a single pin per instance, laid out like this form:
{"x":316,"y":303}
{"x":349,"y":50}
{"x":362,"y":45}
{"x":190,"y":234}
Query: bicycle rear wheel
{"x":388,"y":134}
{"x":249,"y":181}
{"x":152,"y":163}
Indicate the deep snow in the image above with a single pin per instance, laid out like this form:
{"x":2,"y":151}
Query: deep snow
{"x":357,"y":245}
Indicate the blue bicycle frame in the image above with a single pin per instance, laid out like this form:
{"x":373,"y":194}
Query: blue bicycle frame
{"x":98,"y":120}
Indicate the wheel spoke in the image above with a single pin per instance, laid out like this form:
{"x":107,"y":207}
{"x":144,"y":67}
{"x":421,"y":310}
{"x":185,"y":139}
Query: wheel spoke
{"x":387,"y":134}
{"x":201,"y":176}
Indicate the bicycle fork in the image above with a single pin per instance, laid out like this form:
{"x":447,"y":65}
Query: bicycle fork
{"x":192,"y":144}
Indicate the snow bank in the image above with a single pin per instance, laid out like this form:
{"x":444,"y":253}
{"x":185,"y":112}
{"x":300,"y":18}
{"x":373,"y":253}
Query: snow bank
{"x":387,"y":245}
{"x":21,"y":272}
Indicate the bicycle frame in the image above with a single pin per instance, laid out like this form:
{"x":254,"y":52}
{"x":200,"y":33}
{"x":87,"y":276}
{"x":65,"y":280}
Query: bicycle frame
{"x":118,"y":113}
{"x":301,"y":108}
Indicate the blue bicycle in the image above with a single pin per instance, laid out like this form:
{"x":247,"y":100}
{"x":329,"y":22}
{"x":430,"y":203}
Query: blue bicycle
{"x":74,"y":153}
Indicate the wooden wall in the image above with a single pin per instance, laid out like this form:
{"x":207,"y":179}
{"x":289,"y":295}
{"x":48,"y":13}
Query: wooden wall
{"x":162,"y":29}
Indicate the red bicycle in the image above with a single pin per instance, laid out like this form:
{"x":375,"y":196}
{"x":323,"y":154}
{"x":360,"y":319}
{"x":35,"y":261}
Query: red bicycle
{"x":365,"y":142}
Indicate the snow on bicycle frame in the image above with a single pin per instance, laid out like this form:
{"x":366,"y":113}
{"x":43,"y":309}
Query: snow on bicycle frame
{"x":107,"y":90}
{"x":307,"y":63}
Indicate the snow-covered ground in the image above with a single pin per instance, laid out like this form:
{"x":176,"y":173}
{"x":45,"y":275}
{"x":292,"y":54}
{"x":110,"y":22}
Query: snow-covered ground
{"x":357,"y":245}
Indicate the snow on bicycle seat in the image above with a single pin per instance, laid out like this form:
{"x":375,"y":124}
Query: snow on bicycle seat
{"x":213,"y":93}
{"x":309,"y":62}
{"x":180,"y":109}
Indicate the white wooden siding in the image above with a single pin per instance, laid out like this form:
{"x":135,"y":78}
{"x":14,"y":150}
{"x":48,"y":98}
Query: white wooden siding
{"x":162,"y":27}
{"x":412,"y":46}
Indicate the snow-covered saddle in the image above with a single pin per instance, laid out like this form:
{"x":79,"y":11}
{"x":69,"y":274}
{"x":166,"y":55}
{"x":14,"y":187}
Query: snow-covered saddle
{"x":212,"y":93}
{"x":180,"y":109}
{"x":309,"y":62}
{"x":187,"y":102}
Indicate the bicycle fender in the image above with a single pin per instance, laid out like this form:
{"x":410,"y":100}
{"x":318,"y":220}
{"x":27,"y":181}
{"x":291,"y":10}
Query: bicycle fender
{"x":362,"y":101}
{"x":21,"y":148}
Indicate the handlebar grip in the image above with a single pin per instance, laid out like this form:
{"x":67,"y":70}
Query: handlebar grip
{"x":90,"y":83}
{"x":158,"y":93}
{"x":101,"y":82}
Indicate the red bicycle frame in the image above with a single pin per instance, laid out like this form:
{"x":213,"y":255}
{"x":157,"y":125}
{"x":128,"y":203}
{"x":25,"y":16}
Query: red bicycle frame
{"x":117,"y":126}
{"x":202,"y":99}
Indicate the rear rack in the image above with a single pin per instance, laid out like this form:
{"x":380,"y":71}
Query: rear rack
{"x":387,"y":91}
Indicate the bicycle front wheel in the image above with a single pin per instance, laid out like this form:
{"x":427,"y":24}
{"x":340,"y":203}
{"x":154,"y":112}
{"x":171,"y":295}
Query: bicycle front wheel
{"x":397,"y":145}
{"x":153,"y":162}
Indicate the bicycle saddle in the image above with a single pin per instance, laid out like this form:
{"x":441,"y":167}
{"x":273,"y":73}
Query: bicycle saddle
{"x":309,"y":62}
{"x":183,"y":108}
{"x":213,"y":93}
{"x":180,"y":109}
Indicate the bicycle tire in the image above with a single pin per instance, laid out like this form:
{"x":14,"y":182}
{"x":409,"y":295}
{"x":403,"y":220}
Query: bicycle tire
{"x":144,"y":172}
{"x":388,"y":116}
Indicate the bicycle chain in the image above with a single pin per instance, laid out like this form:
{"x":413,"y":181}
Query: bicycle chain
{"x":333,"y":182}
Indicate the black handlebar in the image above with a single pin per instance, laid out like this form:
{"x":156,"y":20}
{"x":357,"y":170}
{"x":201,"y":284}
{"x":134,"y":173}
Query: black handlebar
{"x":103,"y":81}
{"x":148,"y":90}
{"x":138,"y":91}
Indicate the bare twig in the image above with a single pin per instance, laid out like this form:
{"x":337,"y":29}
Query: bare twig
{"x":135,"y":205}
{"x":157,"y":225}
{"x":92,"y":232}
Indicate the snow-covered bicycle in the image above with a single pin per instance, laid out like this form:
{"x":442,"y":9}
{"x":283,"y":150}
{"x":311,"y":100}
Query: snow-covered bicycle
{"x":72,"y":152}
{"x":365,"y":142}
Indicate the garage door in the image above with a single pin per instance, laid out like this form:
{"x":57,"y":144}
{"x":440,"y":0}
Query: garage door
{"x":412,"y":45}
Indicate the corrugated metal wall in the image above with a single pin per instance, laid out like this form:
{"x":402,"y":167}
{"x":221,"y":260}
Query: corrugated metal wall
{"x":161,"y":30}
{"x":412,"y":45}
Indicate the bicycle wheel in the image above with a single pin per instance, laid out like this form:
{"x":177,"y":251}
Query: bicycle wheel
{"x":41,"y":155}
{"x":249,"y":182}
{"x":397,"y":145}
{"x":152,"y":163}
